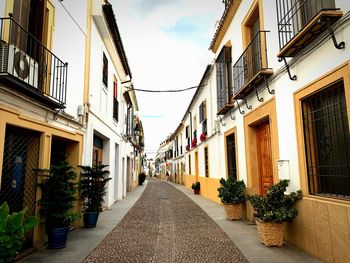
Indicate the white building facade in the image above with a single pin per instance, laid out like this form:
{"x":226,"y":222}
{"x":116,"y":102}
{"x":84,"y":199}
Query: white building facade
{"x":280,"y":101}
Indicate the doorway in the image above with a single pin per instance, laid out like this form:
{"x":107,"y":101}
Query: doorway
{"x":264,"y":155}
{"x":196,"y":165}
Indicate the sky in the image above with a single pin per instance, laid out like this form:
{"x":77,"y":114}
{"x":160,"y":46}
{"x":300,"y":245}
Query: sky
{"x":166,"y":43}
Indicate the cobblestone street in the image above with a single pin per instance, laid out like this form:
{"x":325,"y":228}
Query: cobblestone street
{"x":166,"y":226}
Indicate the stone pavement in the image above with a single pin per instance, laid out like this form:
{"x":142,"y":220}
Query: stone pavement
{"x":166,"y":226}
{"x":195,"y":240}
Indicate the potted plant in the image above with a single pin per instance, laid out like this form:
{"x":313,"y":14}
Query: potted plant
{"x":196,"y":186}
{"x":203,"y":136}
{"x":187,"y":147}
{"x":194,"y":142}
{"x":93,"y":189}
{"x":13,"y":227}
{"x":272,"y":211}
{"x":231,"y":193}
{"x":58,"y":194}
{"x":142,"y":178}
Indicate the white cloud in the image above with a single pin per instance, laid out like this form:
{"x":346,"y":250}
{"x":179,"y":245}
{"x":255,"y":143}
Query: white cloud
{"x":160,"y":60}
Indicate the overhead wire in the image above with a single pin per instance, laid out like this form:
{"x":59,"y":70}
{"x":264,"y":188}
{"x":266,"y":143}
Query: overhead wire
{"x":164,"y":91}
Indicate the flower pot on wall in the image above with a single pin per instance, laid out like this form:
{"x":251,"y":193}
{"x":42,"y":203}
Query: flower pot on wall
{"x":233,"y":211}
{"x":270,"y":234}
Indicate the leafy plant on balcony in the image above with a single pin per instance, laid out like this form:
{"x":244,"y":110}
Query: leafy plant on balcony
{"x":194,"y":142}
{"x":203,"y":137}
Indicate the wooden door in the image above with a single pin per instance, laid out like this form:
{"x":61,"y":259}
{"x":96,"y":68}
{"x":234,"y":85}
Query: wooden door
{"x":263,"y":139}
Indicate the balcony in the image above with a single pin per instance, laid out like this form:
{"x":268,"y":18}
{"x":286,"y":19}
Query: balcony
{"x":29,"y":68}
{"x":251,"y":69}
{"x":301,"y":21}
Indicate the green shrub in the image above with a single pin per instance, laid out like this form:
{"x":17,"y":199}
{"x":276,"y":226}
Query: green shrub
{"x":12,"y":230}
{"x":142,"y":178}
{"x":231,"y":191}
{"x":58,"y":194}
{"x":196,"y":186}
{"x":275,"y":206}
{"x":93,"y":186}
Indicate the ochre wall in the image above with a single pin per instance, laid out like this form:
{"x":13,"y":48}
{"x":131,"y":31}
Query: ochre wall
{"x":47,"y":131}
{"x":322,"y":228}
{"x":209,"y":186}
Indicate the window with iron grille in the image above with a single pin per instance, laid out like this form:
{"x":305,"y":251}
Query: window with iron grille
{"x":115,"y":101}
{"x":206,"y":161}
{"x":224,"y":77}
{"x":188,"y":134}
{"x":327,"y":142}
{"x":204,"y":127}
{"x":231,"y":156}
{"x":105,"y":70}
{"x":203,"y":111}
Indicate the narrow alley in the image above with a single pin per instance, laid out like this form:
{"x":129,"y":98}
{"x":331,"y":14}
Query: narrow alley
{"x":166,"y":226}
{"x":165,"y":222}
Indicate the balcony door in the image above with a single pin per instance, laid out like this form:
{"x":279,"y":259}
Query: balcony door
{"x":253,"y":54}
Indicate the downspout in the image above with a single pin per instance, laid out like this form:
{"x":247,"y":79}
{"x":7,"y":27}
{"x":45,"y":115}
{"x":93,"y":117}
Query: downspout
{"x":190,"y":127}
{"x":86,"y":103}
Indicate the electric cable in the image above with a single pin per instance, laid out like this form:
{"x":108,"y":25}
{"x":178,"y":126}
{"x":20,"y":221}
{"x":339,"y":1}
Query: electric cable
{"x":162,"y":91}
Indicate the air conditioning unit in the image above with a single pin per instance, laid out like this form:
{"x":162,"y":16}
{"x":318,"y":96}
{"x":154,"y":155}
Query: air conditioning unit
{"x":17,"y":63}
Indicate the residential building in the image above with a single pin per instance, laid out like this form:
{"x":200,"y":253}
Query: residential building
{"x":111,"y":104}
{"x":42,"y":54}
{"x":65,"y":90}
{"x":280,"y":101}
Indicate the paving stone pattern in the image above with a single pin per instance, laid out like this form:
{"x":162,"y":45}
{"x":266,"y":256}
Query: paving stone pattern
{"x":165,"y":225}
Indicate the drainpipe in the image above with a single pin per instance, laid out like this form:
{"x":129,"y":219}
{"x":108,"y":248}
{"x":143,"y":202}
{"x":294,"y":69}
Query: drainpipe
{"x":190,"y":128}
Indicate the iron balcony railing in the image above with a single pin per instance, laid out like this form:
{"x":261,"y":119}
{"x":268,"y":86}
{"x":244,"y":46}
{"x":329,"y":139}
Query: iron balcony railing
{"x":250,"y":63}
{"x":294,"y":15}
{"x":29,"y":62}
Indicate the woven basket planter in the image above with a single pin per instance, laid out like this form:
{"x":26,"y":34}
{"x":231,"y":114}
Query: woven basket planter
{"x":233,"y":211}
{"x":271,"y":234}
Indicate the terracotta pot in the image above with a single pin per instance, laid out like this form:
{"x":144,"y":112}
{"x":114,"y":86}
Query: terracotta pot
{"x":233,"y":211}
{"x":271,"y":234}
{"x":196,"y":191}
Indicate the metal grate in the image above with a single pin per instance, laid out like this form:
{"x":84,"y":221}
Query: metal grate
{"x":19,"y":181}
{"x":223,"y":77}
{"x":26,"y":59}
{"x":250,"y":62}
{"x":293,"y":15}
{"x":327,"y":142}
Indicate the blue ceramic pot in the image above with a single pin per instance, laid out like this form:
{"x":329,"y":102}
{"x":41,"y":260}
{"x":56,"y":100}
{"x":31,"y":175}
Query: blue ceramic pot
{"x":57,"y":237}
{"x":90,"y":219}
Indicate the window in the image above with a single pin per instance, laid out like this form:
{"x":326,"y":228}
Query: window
{"x":231,"y":156}
{"x":189,"y":164}
{"x":203,"y":111}
{"x":105,"y":70}
{"x":115,"y":100}
{"x":97,"y":150}
{"x":327,"y":142}
{"x":188,"y":135}
{"x":224,"y":78}
{"x":206,"y":161}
